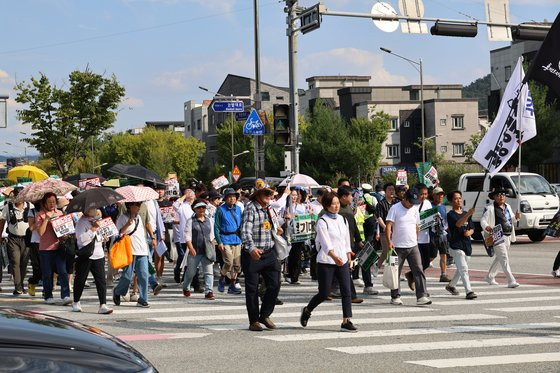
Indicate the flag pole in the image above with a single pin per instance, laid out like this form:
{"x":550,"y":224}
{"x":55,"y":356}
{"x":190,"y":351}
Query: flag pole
{"x":520,"y":139}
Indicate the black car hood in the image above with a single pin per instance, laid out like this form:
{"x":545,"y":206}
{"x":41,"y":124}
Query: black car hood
{"x":30,"y":329}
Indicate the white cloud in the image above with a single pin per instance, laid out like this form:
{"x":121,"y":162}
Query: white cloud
{"x":349,"y":61}
{"x":132,"y":102}
{"x":3,"y":74}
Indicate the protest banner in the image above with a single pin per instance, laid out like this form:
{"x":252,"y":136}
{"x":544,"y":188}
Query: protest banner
{"x":553,"y":228}
{"x":498,"y":235}
{"x":172,"y":188}
{"x":86,"y":184}
{"x":304,"y":227}
{"x":431,"y":178}
{"x":220,"y":182}
{"x":428,"y":218}
{"x":63,"y":225}
{"x":167,"y":214}
{"x":107,"y":228}
{"x":367,"y":256}
{"x":401,"y":177}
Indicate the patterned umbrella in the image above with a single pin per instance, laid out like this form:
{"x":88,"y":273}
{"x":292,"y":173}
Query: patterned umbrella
{"x":137,"y":193}
{"x":36,"y":191}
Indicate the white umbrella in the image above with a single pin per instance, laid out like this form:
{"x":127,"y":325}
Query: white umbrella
{"x":137,"y":193}
{"x":299,"y":180}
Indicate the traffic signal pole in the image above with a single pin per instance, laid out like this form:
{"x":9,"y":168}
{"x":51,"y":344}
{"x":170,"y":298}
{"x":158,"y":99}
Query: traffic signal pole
{"x":292,"y":6}
{"x":258,"y":140}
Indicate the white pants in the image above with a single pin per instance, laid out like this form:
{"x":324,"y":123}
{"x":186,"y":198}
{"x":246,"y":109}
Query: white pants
{"x":501,"y":258}
{"x":461,"y":260}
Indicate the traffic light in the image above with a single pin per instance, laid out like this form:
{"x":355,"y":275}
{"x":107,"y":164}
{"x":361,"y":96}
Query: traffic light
{"x":452,"y":29}
{"x":523,"y":32}
{"x":281,"y":124}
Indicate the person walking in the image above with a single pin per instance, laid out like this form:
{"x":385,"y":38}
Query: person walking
{"x":258,"y":258}
{"x":402,"y":229}
{"x":130,"y":223}
{"x":33,"y":281}
{"x":381,"y":211}
{"x":86,"y":231}
{"x":298,"y":196}
{"x":15,"y":215}
{"x":48,"y":251}
{"x":461,"y":229}
{"x":199,"y":236}
{"x":333,"y":261}
{"x":183,"y":212}
{"x":437,"y":196}
{"x":500,"y":213}
{"x":227,"y":230}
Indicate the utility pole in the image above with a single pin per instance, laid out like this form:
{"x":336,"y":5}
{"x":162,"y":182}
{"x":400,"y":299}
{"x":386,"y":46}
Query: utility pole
{"x":258,"y":140}
{"x":291,"y":9}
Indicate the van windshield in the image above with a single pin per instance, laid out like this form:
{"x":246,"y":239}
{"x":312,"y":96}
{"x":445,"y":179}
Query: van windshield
{"x":532,"y":184}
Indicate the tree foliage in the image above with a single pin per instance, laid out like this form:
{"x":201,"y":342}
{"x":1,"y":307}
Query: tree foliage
{"x":160,"y":151}
{"x":479,"y":89}
{"x":332,"y":146}
{"x":63,"y":120}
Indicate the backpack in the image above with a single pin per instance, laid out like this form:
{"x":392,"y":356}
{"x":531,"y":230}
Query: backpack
{"x":12,"y":214}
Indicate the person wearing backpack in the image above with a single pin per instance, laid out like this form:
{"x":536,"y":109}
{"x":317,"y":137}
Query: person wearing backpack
{"x":15,"y":214}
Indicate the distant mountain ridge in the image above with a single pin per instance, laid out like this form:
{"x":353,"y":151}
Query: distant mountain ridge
{"x":479,"y":89}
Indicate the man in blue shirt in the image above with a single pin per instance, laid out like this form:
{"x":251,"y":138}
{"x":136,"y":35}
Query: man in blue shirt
{"x":227,"y":232}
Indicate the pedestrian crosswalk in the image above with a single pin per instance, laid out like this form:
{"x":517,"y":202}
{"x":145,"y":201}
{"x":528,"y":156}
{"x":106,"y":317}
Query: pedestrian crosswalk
{"x":509,"y":327}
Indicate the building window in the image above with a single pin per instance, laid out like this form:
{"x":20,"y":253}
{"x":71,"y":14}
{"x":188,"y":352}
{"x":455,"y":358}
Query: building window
{"x":280,"y":98}
{"x":443,"y":149}
{"x":392,"y":151}
{"x":189,"y":128}
{"x":507,"y":72}
{"x":406,"y":123}
{"x":265,"y":96}
{"x":394,"y":124}
{"x":443,"y":122}
{"x":198,"y":124}
{"x":407,"y":150}
{"x":459,"y":150}
{"x":458,"y":122}
{"x":415,"y":95}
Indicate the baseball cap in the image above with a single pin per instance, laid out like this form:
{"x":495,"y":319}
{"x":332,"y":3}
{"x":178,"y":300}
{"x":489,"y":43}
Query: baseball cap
{"x":412,"y":195}
{"x":437,"y":190}
{"x":199,"y":204}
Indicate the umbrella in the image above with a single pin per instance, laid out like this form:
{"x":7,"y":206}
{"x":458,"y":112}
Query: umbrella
{"x":75,"y":179}
{"x":36,"y":191}
{"x":138,"y":172}
{"x":93,"y":199}
{"x":31,"y":172}
{"x":137,"y":193}
{"x":300,"y":180}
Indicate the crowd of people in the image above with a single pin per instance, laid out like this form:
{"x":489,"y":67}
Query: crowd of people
{"x":241,"y":232}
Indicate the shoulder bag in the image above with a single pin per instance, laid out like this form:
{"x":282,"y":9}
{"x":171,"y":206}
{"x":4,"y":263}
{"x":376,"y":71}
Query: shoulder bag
{"x":120,"y":254}
{"x":280,"y":244}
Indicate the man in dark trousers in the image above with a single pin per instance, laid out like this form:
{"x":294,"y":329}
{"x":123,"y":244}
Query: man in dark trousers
{"x":258,"y":257}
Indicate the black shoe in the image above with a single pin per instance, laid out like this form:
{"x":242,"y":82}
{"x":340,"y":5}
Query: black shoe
{"x":177,"y":277}
{"x":348,"y":327}
{"x":116,"y":299}
{"x":142,"y":303}
{"x":279,"y":302}
{"x":304,"y":318}
{"x":17,"y":292}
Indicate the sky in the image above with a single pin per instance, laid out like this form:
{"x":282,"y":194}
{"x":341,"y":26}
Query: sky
{"x":161,"y":51}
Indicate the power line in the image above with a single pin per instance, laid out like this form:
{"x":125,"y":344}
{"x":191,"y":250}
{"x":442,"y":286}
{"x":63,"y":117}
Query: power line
{"x":132,"y":31}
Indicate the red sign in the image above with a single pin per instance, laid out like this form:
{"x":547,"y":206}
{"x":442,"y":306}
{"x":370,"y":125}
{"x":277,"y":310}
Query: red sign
{"x":236,"y":173}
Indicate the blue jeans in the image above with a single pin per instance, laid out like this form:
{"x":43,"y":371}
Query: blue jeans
{"x":152,"y":280}
{"x":140,"y":266}
{"x":207,"y":267}
{"x":181,"y":248}
{"x":49,"y":260}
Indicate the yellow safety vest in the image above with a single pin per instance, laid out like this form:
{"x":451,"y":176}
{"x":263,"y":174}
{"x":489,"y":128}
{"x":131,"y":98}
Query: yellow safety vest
{"x":360,"y":219}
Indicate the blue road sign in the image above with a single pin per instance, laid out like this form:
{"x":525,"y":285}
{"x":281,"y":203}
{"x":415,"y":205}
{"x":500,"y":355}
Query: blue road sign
{"x":253,"y":125}
{"x":228,"y":106}
{"x":241,"y":116}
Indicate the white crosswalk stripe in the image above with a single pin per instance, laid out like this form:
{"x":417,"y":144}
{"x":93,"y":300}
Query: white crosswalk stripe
{"x":478,"y":361}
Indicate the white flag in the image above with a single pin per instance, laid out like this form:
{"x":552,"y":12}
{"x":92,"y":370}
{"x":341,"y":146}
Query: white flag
{"x":501,"y":140}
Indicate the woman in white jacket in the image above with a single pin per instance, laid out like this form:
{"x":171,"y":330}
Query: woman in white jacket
{"x":333,"y":260}
{"x":499,"y":212}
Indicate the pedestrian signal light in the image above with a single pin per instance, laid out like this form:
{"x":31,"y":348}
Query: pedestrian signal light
{"x":281,"y":124}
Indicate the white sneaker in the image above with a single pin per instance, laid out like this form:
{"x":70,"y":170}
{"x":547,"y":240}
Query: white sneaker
{"x":359,"y":282}
{"x":369,"y":290}
{"x":104,"y":310}
{"x":238,"y":286}
{"x":76,"y":307}
{"x":490,"y":281}
{"x":126,"y":297}
{"x":513,"y":285}
{"x":374,"y":270}
{"x":396,"y":301}
{"x":134,"y":298}
{"x":66,"y":301}
{"x":423,"y":301}
{"x":50,"y":301}
{"x":556,"y":273}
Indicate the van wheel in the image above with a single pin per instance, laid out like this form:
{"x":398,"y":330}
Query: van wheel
{"x":537,"y":235}
{"x":477,"y":235}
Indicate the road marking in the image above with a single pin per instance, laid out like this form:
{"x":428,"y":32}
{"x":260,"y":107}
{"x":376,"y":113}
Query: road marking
{"x":377,"y":320}
{"x":159,"y":337}
{"x":497,"y":300}
{"x":489,"y":360}
{"x":242,"y":316}
{"x":525,"y":309}
{"x":446,"y":345}
{"x":508,"y":291}
{"x":408,"y":332}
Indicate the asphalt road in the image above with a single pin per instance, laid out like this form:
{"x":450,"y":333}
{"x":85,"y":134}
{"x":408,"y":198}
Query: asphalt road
{"x":505,"y":330}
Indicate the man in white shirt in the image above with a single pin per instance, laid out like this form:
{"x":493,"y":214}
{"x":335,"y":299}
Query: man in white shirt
{"x":403,"y":222}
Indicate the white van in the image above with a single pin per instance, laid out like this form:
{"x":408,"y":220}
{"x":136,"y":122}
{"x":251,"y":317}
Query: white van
{"x":539,"y":200}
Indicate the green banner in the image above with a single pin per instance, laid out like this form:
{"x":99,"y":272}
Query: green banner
{"x":304,"y":227}
{"x":428,"y":218}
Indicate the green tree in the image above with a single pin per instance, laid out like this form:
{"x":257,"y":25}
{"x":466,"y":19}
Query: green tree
{"x":332,"y":146}
{"x":160,"y":151}
{"x":63,"y":120}
{"x":471,"y":146}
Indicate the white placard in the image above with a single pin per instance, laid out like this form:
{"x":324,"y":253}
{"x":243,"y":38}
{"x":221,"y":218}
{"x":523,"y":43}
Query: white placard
{"x":167,"y":214}
{"x":220,"y":182}
{"x":107,"y":228}
{"x":63,"y":225}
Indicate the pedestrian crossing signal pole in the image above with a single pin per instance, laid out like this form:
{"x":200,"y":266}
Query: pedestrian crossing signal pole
{"x":258,"y":140}
{"x":292,"y":9}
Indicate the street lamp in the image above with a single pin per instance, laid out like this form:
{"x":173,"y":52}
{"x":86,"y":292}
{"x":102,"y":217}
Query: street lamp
{"x":418,"y":67}
{"x":235,"y":156}
{"x":101,"y":165}
{"x":19,"y":146}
